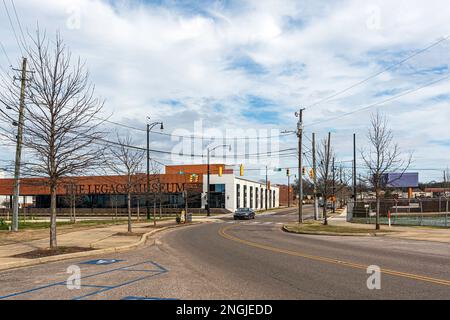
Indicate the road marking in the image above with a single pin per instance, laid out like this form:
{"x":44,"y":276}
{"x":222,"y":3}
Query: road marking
{"x":155,"y":272}
{"x":222,"y":232}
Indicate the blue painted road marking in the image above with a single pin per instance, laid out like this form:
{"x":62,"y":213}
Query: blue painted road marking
{"x":102,"y":262}
{"x":154,"y":269}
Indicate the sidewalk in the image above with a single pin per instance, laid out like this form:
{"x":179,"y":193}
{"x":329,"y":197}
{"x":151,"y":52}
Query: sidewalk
{"x":402,"y":232}
{"x":108,"y":238}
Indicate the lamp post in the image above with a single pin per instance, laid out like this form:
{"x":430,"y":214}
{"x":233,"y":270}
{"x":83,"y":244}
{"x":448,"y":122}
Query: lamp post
{"x":150,"y":126}
{"x":208,"y":199}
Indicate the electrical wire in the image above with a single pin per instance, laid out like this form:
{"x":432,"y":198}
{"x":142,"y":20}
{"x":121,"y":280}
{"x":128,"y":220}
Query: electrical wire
{"x":380,"y":72}
{"x":381,"y":102}
{"x":12,"y":27}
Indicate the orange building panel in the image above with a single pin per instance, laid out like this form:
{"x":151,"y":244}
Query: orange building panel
{"x":170,"y":183}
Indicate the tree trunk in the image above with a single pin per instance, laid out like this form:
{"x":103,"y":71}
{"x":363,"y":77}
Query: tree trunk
{"x":377,"y":216}
{"x":325,"y":216}
{"x":74,"y":209}
{"x":129,"y":211}
{"x":53,"y":243}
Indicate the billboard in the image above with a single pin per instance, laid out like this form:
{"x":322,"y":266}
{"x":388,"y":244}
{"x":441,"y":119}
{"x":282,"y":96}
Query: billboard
{"x":400,"y":180}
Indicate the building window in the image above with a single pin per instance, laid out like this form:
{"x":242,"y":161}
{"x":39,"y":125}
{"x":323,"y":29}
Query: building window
{"x":238,"y":196}
{"x":274,"y":198}
{"x":256,"y":198}
{"x":220,"y":188}
{"x":245,"y":196}
{"x":266,"y":203}
{"x":251,"y":197}
{"x":262,"y":199}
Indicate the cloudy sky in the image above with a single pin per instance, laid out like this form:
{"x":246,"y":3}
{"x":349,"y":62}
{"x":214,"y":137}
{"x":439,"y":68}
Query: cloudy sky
{"x":232,"y":66}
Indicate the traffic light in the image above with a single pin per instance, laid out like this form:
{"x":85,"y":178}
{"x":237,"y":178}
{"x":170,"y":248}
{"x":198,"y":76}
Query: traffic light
{"x":311,"y":173}
{"x":191,"y":178}
{"x":241,"y":170}
{"x":220,"y":171}
{"x":196,"y":178}
{"x":288,"y":172}
{"x":304,"y":171}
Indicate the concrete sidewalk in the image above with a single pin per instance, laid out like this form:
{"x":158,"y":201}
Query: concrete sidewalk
{"x":101,"y":238}
{"x":401,"y":232}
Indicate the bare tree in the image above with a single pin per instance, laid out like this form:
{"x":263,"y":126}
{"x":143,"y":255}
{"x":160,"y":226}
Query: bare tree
{"x":325,"y":154}
{"x":127,"y":161}
{"x":384,"y":156}
{"x":60,"y":126}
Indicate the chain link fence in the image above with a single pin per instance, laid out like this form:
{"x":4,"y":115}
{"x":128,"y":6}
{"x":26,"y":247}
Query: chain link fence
{"x":409,"y":212}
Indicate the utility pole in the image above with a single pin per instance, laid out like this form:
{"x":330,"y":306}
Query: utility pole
{"x":300,"y":169}
{"x":15,"y":216}
{"x":354,"y":167}
{"x":325,"y":200}
{"x":208,"y":186}
{"x":267,"y":192}
{"x":316,"y":203}
{"x":334,"y":186}
{"x":288,"y":173}
{"x":148,"y":172}
{"x":186,"y":206}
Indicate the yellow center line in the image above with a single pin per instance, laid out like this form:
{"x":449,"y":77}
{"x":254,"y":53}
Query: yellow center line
{"x":224,"y":234}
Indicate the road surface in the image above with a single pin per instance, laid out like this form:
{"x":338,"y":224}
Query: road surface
{"x":246,"y":260}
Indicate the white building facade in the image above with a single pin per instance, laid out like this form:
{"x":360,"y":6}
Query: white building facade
{"x":236,"y":192}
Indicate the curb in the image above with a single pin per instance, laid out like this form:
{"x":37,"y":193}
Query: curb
{"x":334,"y":234}
{"x":144,"y":237}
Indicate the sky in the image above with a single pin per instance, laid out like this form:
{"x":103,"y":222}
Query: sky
{"x":244,"y":68}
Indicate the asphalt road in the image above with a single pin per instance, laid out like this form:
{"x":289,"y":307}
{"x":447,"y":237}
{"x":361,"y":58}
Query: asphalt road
{"x":247,"y":260}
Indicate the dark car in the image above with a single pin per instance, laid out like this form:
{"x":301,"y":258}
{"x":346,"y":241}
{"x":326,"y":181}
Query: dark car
{"x":244,"y":213}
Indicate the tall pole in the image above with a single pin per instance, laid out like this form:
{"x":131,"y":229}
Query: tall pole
{"x":300,"y":168}
{"x":208,"y":199}
{"x":267,"y":187}
{"x":334,"y":186}
{"x":354,"y":167}
{"x":327,"y":168}
{"x":15,"y":216}
{"x":148,"y":172}
{"x":316,"y":203}
{"x":289,"y":188}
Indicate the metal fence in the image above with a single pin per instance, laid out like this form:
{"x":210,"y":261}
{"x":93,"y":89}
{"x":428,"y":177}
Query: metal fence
{"x":415,"y":212}
{"x":166,"y":211}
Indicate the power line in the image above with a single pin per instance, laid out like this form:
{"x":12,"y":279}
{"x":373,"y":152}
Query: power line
{"x":6,"y":55}
{"x":19,"y":24}
{"x":12,"y":26}
{"x":191,"y":136}
{"x":381,"y":102}
{"x":380,"y":72}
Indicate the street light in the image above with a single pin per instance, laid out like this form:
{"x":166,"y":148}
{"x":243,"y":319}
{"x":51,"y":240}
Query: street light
{"x":150,"y":126}
{"x":208,"y":198}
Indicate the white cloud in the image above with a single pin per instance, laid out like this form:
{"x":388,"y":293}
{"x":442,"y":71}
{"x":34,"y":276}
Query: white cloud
{"x":141,"y":54}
